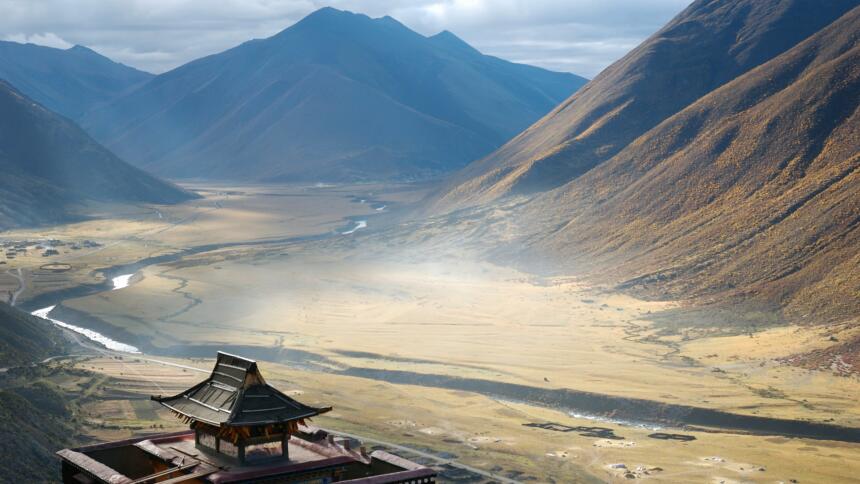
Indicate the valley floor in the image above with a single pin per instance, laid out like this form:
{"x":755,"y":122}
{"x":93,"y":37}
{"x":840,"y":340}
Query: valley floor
{"x":436,"y":350}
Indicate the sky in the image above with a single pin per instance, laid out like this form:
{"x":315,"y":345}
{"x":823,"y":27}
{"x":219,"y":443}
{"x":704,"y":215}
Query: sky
{"x":579,"y":36}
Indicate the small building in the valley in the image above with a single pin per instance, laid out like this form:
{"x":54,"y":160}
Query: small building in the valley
{"x":242,"y":430}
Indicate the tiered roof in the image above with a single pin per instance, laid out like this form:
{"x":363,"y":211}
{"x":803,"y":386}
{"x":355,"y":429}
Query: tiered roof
{"x":236,"y":395}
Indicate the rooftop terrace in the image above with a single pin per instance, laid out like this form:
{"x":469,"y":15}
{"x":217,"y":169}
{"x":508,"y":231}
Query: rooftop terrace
{"x":175,"y":458}
{"x":242,"y":430}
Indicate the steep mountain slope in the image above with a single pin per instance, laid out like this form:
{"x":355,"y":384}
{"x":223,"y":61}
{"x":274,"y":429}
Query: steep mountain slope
{"x":708,"y":44}
{"x":336,"y":96}
{"x":69,"y":81}
{"x":26,"y":339}
{"x":50,"y":166}
{"x":34,"y":423}
{"x":752,"y":192}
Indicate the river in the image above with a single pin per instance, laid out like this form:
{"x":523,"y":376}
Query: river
{"x":359,"y":224}
{"x":90,"y":334}
{"x":121,"y":282}
{"x":120,"y":277}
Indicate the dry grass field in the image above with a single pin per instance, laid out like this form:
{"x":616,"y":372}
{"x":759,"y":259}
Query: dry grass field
{"x":226,"y":214}
{"x":478,"y":431}
{"x":352,"y":322}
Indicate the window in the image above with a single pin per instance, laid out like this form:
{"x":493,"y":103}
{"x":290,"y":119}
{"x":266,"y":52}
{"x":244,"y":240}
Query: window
{"x":227,"y":448}
{"x":206,"y":440}
{"x":263,"y":451}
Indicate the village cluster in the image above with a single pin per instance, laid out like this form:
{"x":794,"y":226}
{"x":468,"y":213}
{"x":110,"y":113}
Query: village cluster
{"x":14,"y":248}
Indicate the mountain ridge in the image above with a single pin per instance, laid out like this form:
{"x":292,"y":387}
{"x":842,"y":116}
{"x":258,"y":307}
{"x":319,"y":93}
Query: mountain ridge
{"x":436,"y":106}
{"x":52,"y":167}
{"x":747,"y":195}
{"x":706,"y":45}
{"x":67,"y":81}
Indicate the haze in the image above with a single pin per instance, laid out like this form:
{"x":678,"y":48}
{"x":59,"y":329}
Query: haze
{"x":433,"y":241}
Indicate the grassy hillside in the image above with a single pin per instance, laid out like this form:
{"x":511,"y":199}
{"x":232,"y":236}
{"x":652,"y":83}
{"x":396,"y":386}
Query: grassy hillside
{"x":26,"y":339}
{"x":744,"y":202}
{"x":34,"y":423}
{"x":35,"y":420}
{"x":337,"y":96}
{"x":705,"y":46}
{"x":750,"y":193}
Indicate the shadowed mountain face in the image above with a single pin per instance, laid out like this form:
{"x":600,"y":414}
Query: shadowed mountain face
{"x":70,"y":81}
{"x":753,"y":191}
{"x":50,"y":165}
{"x":707,"y":45}
{"x":338,"y":96}
{"x":26,"y":339}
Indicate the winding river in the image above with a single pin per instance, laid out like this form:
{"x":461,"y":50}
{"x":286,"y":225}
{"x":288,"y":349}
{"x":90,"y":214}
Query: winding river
{"x":604,"y":408}
{"x":88,"y":333}
{"x":120,"y":278}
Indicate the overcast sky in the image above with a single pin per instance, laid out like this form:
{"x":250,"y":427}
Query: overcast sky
{"x":580,"y":36}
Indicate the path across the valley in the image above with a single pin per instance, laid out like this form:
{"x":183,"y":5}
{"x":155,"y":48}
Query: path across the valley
{"x":22,"y":284}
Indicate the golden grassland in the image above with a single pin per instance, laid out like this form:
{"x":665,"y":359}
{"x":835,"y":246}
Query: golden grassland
{"x":226,"y":214}
{"x":354,"y":301}
{"x":469,"y":319}
{"x":479,"y":431}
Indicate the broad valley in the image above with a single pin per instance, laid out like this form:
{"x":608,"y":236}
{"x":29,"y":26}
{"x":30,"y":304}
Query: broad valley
{"x":355,"y":251}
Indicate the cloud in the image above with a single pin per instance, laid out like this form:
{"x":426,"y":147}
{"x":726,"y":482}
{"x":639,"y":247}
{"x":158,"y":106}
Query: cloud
{"x":48,"y":39}
{"x":582,"y":36}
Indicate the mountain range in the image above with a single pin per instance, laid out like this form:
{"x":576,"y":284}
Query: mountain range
{"x":337,"y":96}
{"x":51,"y":167}
{"x":717,"y":160}
{"x":707,"y":45}
{"x":67,"y":81}
{"x":731,"y":176}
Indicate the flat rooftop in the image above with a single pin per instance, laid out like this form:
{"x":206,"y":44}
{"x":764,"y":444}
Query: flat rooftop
{"x":175,"y":457}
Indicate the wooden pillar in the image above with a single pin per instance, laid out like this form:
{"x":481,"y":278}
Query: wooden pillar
{"x":285,"y":446}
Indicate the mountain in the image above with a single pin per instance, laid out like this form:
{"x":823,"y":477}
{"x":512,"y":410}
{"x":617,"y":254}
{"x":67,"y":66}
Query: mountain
{"x":69,"y":81}
{"x":26,"y":339}
{"x":750,"y":194}
{"x":707,"y":45}
{"x":35,"y":418}
{"x":50,"y":166}
{"x":35,"y":422}
{"x":753,"y":189}
{"x":337,"y":96}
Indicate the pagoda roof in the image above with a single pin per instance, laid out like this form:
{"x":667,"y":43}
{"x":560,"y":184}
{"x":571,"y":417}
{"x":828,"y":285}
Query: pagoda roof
{"x":235,"y":394}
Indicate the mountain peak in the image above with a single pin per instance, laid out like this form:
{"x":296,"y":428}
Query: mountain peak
{"x":448,"y":39}
{"x":327,"y":12}
{"x":337,"y":96}
{"x":328,"y":15}
{"x":83,"y":50}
